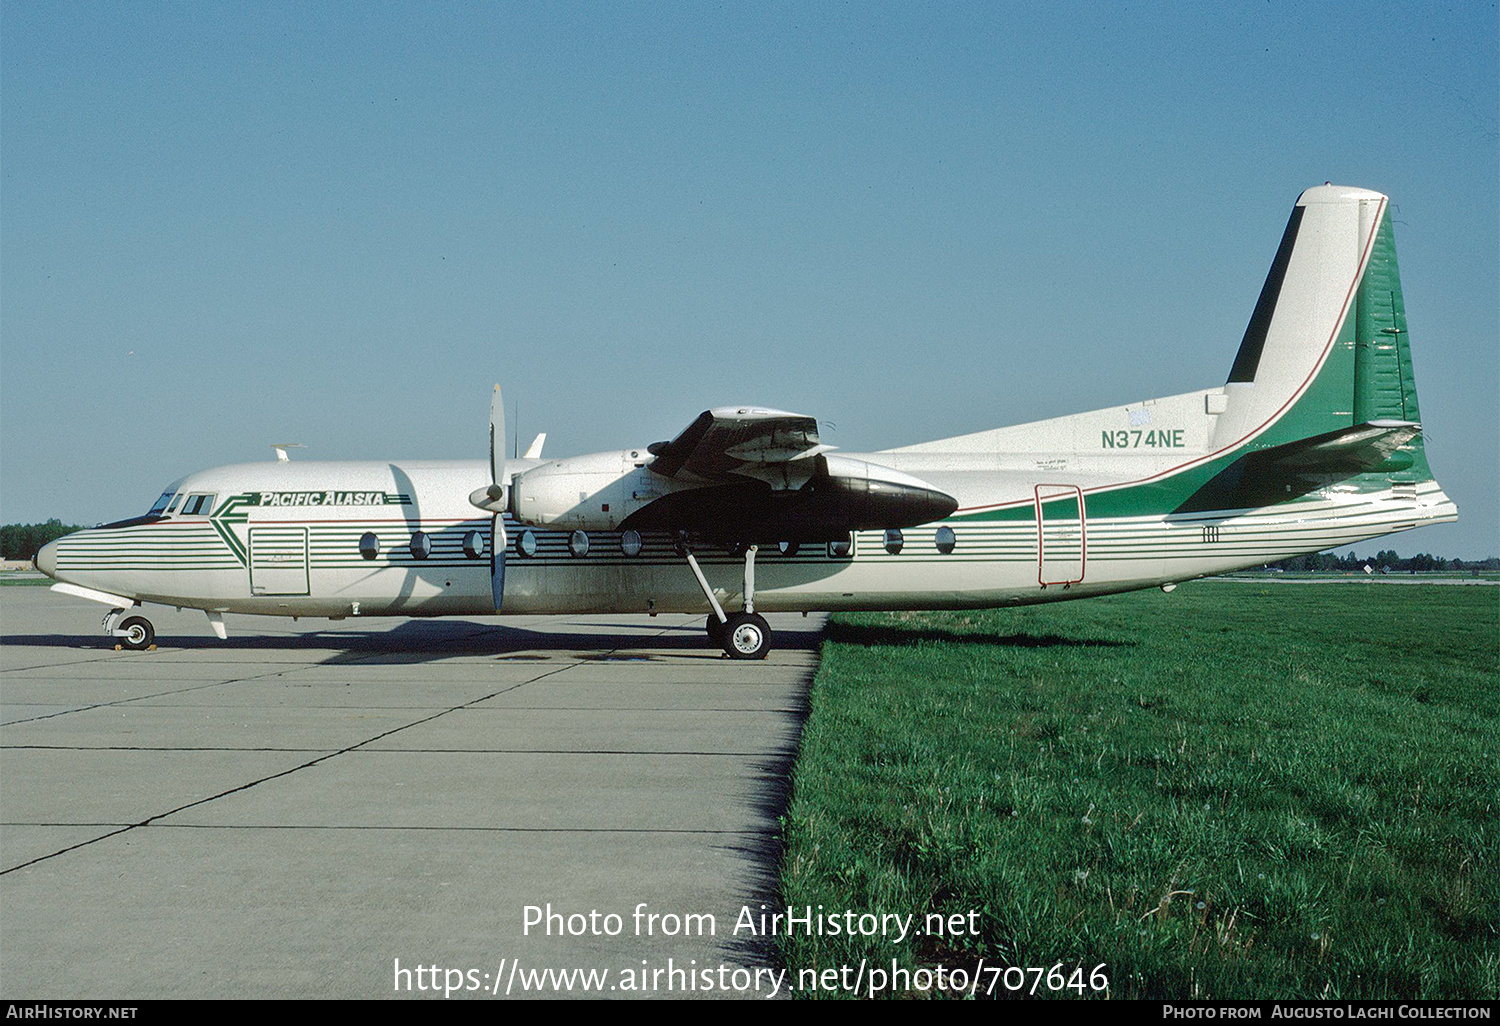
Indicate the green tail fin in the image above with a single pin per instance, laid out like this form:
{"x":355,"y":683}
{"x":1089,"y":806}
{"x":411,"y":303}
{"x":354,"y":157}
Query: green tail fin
{"x":1384,"y":388}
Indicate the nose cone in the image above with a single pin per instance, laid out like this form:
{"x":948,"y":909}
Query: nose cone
{"x":46,"y":559}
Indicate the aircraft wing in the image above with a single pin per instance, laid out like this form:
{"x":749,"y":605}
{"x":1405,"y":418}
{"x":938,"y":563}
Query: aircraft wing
{"x":732,"y":440}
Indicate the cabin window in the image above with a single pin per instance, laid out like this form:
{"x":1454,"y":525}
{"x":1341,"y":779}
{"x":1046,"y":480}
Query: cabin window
{"x":198,"y":505}
{"x":526,"y":544}
{"x":840,"y":549}
{"x":893,"y":540}
{"x":945,"y":540}
{"x":473,"y":544}
{"x":578,"y":543}
{"x":788,"y":548}
{"x":630,"y":543}
{"x":369,"y":545}
{"x":421,"y":545}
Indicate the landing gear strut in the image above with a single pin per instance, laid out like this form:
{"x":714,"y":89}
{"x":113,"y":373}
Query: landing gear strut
{"x":742,"y":635}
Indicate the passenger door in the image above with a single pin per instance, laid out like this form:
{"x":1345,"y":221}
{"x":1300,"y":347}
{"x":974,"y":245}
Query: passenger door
{"x":1061,"y":544}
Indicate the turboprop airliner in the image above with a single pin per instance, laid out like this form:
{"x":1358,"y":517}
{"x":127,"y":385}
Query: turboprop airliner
{"x":1314,"y":441}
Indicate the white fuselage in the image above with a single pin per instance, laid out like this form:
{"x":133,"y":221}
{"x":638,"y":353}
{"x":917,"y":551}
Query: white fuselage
{"x":285,"y":538}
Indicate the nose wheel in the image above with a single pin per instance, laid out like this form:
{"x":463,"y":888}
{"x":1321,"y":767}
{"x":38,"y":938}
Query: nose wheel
{"x":133,"y":632}
{"x":136,"y":632}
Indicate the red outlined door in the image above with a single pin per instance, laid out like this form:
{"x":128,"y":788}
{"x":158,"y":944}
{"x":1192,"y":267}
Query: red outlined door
{"x":1061,"y":534}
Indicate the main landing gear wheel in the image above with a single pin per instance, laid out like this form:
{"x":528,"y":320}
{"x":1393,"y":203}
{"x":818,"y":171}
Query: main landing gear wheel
{"x":715,"y":629}
{"x":746,"y":636}
{"x":136,"y":632}
{"x":742,"y":635}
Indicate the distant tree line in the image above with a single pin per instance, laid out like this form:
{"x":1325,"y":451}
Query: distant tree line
{"x":21,"y":541}
{"x":1386,"y":561}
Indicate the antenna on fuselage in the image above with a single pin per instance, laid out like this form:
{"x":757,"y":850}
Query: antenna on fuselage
{"x":281,"y":456}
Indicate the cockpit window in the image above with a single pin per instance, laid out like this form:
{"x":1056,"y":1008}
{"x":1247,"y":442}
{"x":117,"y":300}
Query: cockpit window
{"x":161,"y":504}
{"x":173,"y":506}
{"x":198,"y":505}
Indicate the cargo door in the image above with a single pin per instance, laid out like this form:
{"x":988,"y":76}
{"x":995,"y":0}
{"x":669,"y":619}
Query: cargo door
{"x":278,"y":561}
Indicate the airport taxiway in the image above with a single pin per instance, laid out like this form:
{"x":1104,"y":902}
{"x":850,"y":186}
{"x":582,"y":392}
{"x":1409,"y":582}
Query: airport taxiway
{"x":288,"y":813}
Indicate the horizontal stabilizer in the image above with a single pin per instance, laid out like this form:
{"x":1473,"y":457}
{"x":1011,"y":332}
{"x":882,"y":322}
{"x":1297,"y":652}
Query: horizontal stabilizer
{"x":1288,"y":471}
{"x":1353,"y":450}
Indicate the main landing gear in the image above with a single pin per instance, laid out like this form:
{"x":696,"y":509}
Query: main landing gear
{"x":742,"y":635}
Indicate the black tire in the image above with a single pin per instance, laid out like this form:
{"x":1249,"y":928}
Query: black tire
{"x":139,"y":634}
{"x":715,"y":628}
{"x":747,"y":636}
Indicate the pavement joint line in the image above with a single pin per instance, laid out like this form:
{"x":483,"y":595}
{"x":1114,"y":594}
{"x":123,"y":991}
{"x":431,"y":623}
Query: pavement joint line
{"x":170,"y":653}
{"x":53,"y":666}
{"x":414,"y":829}
{"x":214,"y":684}
{"x":493,"y":709}
{"x":142,"y":698}
{"x":391,"y":751}
{"x":150,"y":820}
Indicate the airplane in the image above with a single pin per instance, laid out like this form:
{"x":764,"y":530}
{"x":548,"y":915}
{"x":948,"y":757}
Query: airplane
{"x":1314,"y":441}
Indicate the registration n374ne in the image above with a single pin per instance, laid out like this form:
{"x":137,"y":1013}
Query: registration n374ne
{"x":1314,"y":441}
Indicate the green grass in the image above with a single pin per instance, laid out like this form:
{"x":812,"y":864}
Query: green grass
{"x":1232,"y":791}
{"x":9,"y":581}
{"x":1355,"y":575}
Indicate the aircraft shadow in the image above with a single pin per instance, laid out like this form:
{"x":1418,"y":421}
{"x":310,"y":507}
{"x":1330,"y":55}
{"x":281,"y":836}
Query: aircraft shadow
{"x":884,"y":634}
{"x":428,"y":640}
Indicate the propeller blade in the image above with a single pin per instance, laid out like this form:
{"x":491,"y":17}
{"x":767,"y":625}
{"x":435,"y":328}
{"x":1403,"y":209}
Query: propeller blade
{"x":492,"y":497}
{"x":497,"y":445}
{"x":496,"y":496}
{"x":498,"y":545}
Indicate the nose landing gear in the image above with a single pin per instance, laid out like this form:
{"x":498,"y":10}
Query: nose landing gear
{"x":133,"y":632}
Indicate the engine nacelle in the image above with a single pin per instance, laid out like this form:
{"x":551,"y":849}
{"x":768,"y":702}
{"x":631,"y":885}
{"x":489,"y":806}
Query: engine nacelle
{"x":815,"y":499}
{"x":869,"y":496}
{"x":589,"y":493}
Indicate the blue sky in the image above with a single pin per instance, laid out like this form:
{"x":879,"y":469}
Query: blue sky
{"x":228,"y":225}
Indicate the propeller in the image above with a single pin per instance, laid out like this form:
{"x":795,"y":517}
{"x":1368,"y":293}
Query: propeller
{"x":492,"y":498}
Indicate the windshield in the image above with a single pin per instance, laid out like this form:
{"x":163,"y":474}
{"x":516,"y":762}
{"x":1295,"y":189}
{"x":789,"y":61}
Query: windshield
{"x":161,"y":503}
